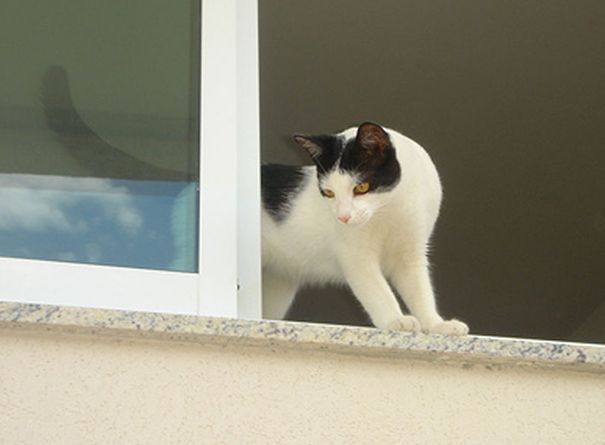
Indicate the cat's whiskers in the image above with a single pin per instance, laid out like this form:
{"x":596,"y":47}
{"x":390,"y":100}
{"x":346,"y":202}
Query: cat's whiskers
{"x":380,"y":209}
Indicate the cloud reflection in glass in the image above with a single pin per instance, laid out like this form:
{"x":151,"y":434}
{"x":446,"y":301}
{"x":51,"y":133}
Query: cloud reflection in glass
{"x":118,"y":222}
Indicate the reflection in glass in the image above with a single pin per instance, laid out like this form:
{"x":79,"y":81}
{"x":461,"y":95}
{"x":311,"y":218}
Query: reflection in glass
{"x":99,"y":132}
{"x":101,"y":221}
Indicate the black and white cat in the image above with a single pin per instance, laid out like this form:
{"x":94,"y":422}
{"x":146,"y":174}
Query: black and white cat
{"x":362,"y":216}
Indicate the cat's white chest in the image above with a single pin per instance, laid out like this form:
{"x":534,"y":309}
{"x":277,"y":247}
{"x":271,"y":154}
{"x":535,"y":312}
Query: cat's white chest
{"x":302,"y":247}
{"x":310,"y":244}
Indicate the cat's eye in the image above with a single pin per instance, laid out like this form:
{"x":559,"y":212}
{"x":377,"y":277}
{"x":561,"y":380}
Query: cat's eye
{"x":327,"y":193}
{"x":362,"y":188}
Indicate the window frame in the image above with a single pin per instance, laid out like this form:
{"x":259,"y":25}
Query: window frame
{"x":229,"y":200}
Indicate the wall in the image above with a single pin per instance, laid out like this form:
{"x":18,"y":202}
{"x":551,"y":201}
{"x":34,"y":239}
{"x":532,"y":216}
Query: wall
{"x":508,"y":98}
{"x":57,"y":389}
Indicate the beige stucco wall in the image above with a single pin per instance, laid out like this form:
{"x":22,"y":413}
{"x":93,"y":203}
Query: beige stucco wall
{"x":58,"y":389}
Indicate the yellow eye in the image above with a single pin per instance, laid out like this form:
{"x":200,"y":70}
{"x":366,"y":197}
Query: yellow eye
{"x":328,"y":193}
{"x":362,"y":188}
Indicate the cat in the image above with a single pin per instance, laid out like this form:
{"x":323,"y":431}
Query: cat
{"x":362,"y":215}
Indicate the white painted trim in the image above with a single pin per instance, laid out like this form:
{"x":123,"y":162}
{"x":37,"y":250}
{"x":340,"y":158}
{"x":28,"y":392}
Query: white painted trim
{"x":218,"y":174}
{"x":229,"y":115}
{"x":85,"y":285}
{"x":248,"y":156}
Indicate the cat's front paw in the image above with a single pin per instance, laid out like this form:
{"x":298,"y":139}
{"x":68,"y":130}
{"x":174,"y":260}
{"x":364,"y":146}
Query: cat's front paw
{"x":449,"y":327}
{"x":404,"y":323}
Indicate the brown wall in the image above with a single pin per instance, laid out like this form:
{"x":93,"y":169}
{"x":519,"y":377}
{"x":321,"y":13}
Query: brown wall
{"x":509,"y":100}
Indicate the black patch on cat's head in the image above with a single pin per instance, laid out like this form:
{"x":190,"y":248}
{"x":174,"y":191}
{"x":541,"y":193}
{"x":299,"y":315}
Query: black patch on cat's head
{"x":324,"y":150}
{"x":371,"y":156}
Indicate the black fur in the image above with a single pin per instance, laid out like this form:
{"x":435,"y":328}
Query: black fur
{"x":329,"y":152}
{"x":382,"y":172}
{"x":380,"y":168}
{"x":279,"y":184}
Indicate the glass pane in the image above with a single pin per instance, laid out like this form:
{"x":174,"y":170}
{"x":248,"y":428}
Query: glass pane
{"x":99,"y":118}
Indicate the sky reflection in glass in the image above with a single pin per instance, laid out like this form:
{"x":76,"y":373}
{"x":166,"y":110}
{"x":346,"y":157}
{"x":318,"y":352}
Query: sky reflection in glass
{"x":132,"y":223}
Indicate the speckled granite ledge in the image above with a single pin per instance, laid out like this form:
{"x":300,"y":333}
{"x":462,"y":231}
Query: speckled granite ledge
{"x":465,"y":351}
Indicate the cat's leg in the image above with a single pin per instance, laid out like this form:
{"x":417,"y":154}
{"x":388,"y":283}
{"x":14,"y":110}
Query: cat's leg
{"x":278,"y":294}
{"x":413,"y":282}
{"x":375,"y":295}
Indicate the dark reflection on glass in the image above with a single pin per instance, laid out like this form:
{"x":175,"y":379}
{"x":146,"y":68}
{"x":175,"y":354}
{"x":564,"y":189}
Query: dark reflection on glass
{"x":83,"y":144}
{"x":99,"y":123}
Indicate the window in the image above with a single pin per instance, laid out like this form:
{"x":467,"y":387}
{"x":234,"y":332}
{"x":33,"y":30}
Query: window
{"x":119,"y":155}
{"x":507,"y":97}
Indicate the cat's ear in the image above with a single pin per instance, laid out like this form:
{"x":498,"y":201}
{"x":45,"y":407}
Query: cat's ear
{"x":372,"y":139}
{"x":323,"y":149}
{"x":311,"y":144}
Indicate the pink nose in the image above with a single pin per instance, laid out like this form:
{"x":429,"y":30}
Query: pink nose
{"x":344,"y":218}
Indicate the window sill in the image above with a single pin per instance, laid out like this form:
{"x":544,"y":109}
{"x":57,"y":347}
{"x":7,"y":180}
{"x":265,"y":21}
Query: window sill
{"x":464,"y":351}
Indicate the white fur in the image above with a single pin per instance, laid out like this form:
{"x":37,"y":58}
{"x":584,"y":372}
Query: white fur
{"x":384,"y":241}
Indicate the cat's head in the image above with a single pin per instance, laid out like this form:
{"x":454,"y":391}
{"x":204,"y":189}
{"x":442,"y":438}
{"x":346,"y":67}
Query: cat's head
{"x":356,"y":169}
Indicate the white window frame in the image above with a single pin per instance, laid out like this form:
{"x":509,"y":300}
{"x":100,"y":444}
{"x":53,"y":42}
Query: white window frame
{"x":229,"y":230}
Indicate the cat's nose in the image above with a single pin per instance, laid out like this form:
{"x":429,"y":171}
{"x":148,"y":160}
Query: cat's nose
{"x":344,"y":218}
